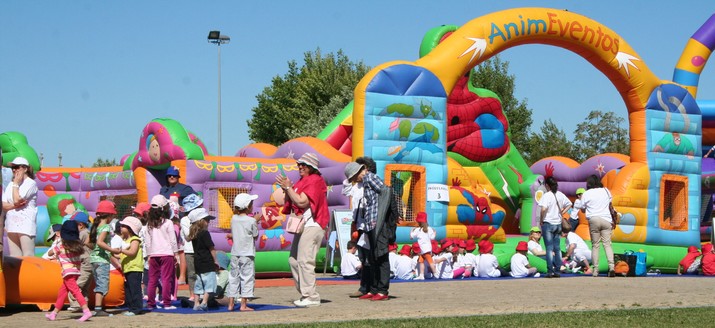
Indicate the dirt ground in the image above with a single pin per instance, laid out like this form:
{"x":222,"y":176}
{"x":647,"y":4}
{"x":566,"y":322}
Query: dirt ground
{"x":428,"y":299}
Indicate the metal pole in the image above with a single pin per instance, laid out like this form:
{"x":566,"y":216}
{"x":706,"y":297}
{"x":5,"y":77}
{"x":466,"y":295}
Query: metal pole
{"x":219,"y":98}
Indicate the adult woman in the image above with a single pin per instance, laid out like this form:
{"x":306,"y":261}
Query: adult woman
{"x":19,"y":202}
{"x":308,"y":197}
{"x":595,"y":202}
{"x":553,"y":205}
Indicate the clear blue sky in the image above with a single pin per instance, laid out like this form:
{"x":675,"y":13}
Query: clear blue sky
{"x":84,"y":77}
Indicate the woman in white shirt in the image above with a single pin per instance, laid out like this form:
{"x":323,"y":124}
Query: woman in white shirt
{"x":595,"y":202}
{"x":553,"y":205}
{"x":19,"y":204}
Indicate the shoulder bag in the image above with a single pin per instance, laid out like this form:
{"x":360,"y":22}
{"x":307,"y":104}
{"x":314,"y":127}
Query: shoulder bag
{"x":565,"y":224}
{"x":295,"y":224}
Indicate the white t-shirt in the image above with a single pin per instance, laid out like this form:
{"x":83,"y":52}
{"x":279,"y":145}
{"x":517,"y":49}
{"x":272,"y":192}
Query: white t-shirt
{"x":518,"y":265}
{"x":471,"y":260}
{"x":595,"y":201}
{"x":392,"y":257}
{"x":534,"y":247}
{"x":575,"y":209}
{"x":548,"y":201}
{"x":349,"y":264}
{"x":424,"y":239}
{"x":488,"y":266}
{"x":444,"y":268}
{"x":404,"y":268}
{"x":581,"y":251}
{"x":185,"y":225}
{"x":22,"y":220}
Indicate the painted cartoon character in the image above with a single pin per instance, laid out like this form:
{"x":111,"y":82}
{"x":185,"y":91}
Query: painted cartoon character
{"x":674,"y":143}
{"x":272,"y":224}
{"x":154,"y":149}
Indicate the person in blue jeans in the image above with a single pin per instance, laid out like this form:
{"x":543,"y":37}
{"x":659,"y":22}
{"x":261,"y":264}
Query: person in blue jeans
{"x":553,"y":205}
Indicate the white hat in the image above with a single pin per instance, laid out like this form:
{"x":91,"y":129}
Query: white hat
{"x":20,"y":161}
{"x":309,"y":159}
{"x":159,"y":201}
{"x":198,"y":214}
{"x":243,"y":200}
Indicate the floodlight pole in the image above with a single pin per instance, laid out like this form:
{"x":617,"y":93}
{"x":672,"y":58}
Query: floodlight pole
{"x":215,"y":37}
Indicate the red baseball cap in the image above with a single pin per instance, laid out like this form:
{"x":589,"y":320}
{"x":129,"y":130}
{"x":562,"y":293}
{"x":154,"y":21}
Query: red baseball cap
{"x":106,"y":207}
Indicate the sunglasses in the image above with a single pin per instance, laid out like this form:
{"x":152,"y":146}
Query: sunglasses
{"x":172,"y":176}
{"x":15,"y":167}
{"x":302,"y":165}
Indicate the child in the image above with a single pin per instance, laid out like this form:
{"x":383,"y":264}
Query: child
{"x":573,"y":215}
{"x":691,"y":262}
{"x":520,"y":267}
{"x":244,"y":230}
{"x":462,"y":268}
{"x":470,"y":259}
{"x":68,"y":253}
{"x":162,"y":251}
{"x":488,"y":266}
{"x":392,"y":258}
{"x":54,"y":239}
{"x":191,"y":202}
{"x":577,"y":251}
{"x":404,"y":266}
{"x":132,"y":262}
{"x":99,"y":237}
{"x":85,"y":269}
{"x":444,"y":261}
{"x":424,"y":234}
{"x":708,"y":260}
{"x":116,"y":242}
{"x":350,"y":265}
{"x":205,"y":262}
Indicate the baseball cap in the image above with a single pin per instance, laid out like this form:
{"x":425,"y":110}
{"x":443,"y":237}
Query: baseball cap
{"x":159,"y":201}
{"x":55,"y":228}
{"x":20,"y":161}
{"x":198,"y":214}
{"x":242,"y":200}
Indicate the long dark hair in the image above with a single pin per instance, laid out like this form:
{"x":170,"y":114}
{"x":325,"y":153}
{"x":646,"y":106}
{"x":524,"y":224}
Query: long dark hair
{"x":553,"y":184}
{"x":157,"y":215}
{"x":593,"y":181}
{"x":95,"y":225}
{"x":73,"y":246}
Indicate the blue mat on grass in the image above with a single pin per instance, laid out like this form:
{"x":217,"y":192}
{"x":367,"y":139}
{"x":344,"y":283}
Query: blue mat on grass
{"x":221,"y":309}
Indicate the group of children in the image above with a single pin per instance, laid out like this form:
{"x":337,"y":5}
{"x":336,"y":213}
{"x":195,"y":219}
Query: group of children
{"x":695,"y":262}
{"x":146,"y":250}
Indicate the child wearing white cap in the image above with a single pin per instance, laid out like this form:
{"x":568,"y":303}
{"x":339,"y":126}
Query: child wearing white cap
{"x":244,"y":230}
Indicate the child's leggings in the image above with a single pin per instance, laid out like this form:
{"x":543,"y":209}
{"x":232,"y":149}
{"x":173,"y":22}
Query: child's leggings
{"x":69,"y":284}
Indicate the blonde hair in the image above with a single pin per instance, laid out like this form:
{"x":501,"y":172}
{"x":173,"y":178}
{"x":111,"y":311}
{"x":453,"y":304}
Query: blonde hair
{"x":196,"y":228}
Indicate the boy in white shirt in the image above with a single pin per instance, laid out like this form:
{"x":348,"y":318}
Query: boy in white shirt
{"x":471,"y":260}
{"x":488,"y":265}
{"x":405,"y":266}
{"x":577,"y":251}
{"x":392,"y":258}
{"x":350,"y":264}
{"x":520,"y":267}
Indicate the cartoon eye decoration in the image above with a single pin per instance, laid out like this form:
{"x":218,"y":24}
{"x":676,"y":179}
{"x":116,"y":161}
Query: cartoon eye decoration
{"x":484,"y":210}
{"x":476,"y":208}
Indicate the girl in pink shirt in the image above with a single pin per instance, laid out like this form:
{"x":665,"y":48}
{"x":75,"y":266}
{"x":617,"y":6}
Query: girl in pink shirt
{"x":68,"y":253}
{"x":163,"y":252}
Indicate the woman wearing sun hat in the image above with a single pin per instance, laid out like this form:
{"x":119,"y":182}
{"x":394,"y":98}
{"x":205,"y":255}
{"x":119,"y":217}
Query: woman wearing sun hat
{"x":308,"y":197}
{"x":19,"y":203}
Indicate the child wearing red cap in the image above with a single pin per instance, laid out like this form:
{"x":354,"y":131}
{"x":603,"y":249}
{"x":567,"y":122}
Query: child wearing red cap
{"x":392,"y":258}
{"x":100,"y":237}
{"x":444,"y":261}
{"x":520,"y":267}
{"x":470,"y":259}
{"x":462,"y":268}
{"x":424,"y":235}
{"x":708,"y":260}
{"x":691,"y":262}
{"x":488,"y":266}
{"x":404,"y":265}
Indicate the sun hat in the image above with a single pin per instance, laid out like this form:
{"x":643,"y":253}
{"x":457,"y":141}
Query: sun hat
{"x":141,"y":208}
{"x":172,"y":170}
{"x":485,"y":246}
{"x":416,"y":248}
{"x":198,"y":214}
{"x":69,"y":230}
{"x":132,"y":223}
{"x":222,"y":259}
{"x":55,"y":228}
{"x":462,"y":243}
{"x":242,"y":200}
{"x":522,"y":246}
{"x":191,"y":202}
{"x":693,"y":249}
{"x":446,"y":243}
{"x":535,"y":229}
{"x":391,"y":247}
{"x":352,"y":169}
{"x":159,"y":201}
{"x":580,"y":191}
{"x":421,"y":217}
{"x":309,"y":159}
{"x":471,"y":245}
{"x":405,"y":250}
{"x":106,"y":207}
{"x":20,"y":161}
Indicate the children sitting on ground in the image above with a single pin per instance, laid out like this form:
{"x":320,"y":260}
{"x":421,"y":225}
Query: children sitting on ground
{"x":690,"y":264}
{"x":444,"y":261}
{"x":578,"y":254}
{"x":708,"y":260}
{"x":488,"y":266}
{"x":535,"y":244}
{"x":462,"y":268}
{"x":404,"y":264}
{"x":392,"y":258}
{"x":424,"y":235}
{"x":520,"y":267}
{"x":471,"y":259}
{"x":350,"y":264}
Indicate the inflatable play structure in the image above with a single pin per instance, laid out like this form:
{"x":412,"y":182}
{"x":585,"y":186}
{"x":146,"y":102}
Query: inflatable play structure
{"x":444,"y":147}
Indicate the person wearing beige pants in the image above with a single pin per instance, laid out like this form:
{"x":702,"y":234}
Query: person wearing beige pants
{"x":601,"y":232}
{"x":303,"y":252}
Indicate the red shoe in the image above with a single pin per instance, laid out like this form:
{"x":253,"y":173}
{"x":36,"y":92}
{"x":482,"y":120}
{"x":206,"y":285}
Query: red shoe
{"x":367,"y":296}
{"x":285,"y":244}
{"x":262,"y":243}
{"x":380,"y":297}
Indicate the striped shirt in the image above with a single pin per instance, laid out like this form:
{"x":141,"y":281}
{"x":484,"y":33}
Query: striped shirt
{"x":372,"y":184}
{"x":70,"y":262}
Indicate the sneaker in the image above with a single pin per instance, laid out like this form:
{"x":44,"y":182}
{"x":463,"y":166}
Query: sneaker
{"x":379,"y":297}
{"x":306,"y":303}
{"x":611,"y":273}
{"x":51,"y":316}
{"x":197,"y":306}
{"x":85,"y":316}
{"x":576,"y":269}
{"x":170,"y":307}
{"x":101,"y":313}
{"x":595,"y":273}
{"x":203,"y":307}
{"x":536,"y":275}
{"x":557,"y":275}
{"x":129,"y":313}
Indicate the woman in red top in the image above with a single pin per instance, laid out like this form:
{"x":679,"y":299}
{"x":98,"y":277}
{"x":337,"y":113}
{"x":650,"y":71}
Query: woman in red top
{"x":308,"y":197}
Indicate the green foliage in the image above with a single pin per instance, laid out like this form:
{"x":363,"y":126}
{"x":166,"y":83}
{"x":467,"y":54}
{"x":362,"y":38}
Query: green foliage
{"x":600,"y":133}
{"x":306,"y":98}
{"x":551,"y":141}
{"x":101,"y":162}
{"x":493,"y":74}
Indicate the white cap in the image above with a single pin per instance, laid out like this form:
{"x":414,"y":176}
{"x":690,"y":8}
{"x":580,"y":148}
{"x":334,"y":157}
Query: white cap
{"x":243,"y":200}
{"x":20,"y":161}
{"x":159,"y":201}
{"x":198,"y":214}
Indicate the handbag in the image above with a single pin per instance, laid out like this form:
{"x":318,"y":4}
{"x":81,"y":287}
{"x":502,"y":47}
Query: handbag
{"x":614,"y":214}
{"x":295,"y":224}
{"x":565,"y":224}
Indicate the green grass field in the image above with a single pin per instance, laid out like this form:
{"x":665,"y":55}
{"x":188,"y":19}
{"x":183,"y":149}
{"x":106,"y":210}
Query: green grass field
{"x":673,"y":317}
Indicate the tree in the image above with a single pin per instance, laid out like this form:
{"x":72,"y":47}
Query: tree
{"x":493,"y":74}
{"x":306,"y":98}
{"x":551,"y":141}
{"x":101,"y":162}
{"x":600,"y":133}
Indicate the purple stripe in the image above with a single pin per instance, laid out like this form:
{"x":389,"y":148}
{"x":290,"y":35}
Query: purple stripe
{"x":706,"y":33}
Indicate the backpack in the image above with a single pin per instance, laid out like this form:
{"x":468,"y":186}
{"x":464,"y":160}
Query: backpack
{"x":621,"y":268}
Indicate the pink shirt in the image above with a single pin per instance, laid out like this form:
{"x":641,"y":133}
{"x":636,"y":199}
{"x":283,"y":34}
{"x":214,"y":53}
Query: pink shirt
{"x":161,"y":241}
{"x":70,"y":262}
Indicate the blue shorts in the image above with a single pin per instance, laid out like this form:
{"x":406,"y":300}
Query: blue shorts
{"x":205,"y":283}
{"x":101,"y":277}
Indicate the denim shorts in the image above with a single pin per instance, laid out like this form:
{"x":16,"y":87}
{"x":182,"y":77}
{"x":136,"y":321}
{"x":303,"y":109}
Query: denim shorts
{"x":205,"y":283}
{"x":101,"y":277}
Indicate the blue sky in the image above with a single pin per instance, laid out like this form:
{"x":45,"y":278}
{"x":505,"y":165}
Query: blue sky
{"x":84,"y":77}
